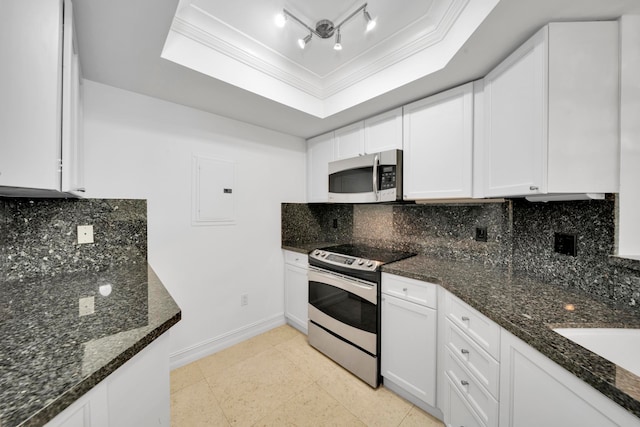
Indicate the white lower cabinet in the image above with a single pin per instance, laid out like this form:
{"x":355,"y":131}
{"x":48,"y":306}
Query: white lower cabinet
{"x":456,"y":406}
{"x":486,"y":377}
{"x":135,"y":394}
{"x":469,"y":364}
{"x":296,"y":290}
{"x":535,"y":391}
{"x":408,"y":339}
{"x":91,"y":410}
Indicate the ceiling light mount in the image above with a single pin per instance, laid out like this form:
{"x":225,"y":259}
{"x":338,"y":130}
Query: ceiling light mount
{"x":325,"y":28}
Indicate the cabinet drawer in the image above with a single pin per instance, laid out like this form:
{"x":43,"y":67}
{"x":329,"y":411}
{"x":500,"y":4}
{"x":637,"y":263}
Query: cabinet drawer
{"x":485,"y":406}
{"x":480,"y":328}
{"x":416,"y":291}
{"x":296,"y":258}
{"x":460,"y":414}
{"x":484,"y":367}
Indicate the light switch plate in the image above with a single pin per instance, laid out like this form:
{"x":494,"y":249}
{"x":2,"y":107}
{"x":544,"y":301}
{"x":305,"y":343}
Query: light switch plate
{"x":85,"y":234}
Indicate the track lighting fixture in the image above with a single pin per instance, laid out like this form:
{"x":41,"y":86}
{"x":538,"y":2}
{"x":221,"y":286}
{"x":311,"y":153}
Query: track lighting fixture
{"x":303,"y":42}
{"x":338,"y":45}
{"x":324,"y":28}
{"x":371,"y":24}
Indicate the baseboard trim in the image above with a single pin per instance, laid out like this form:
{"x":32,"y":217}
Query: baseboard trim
{"x":213,"y":345}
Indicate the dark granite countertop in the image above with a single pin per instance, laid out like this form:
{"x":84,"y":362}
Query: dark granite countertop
{"x":306,"y":248}
{"x":529,"y":309}
{"x":50,"y":356}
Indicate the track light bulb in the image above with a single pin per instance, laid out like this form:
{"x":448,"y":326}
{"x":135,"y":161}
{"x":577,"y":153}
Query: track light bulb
{"x":280,"y":20}
{"x":338,"y":45}
{"x":371,"y":23}
{"x":303,"y":42}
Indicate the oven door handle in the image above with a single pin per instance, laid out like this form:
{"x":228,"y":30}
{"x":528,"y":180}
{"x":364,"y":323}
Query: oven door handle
{"x":364,"y":291}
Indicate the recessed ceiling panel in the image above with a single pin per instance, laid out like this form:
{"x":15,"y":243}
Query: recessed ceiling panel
{"x":255,"y":19}
{"x":241,"y":45}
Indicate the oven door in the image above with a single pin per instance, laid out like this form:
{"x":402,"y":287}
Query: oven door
{"x":345,"y":306}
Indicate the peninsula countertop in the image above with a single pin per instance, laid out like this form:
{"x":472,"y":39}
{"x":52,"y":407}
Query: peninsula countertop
{"x":50,"y":355}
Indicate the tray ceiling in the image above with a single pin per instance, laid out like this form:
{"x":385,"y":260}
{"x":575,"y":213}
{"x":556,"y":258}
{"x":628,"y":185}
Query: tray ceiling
{"x":241,"y":45}
{"x":121,"y":41}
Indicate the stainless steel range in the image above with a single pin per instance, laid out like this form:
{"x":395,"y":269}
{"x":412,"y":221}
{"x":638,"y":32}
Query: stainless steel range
{"x":344,"y":314}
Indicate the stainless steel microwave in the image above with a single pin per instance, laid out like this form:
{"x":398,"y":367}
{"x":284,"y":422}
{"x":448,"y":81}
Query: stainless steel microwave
{"x":366,"y":179}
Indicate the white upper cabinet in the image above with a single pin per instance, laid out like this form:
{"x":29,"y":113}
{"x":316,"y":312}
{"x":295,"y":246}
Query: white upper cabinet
{"x":319,"y":154}
{"x":383,"y":132}
{"x":438,"y":145}
{"x":349,"y":141}
{"x":36,"y":42}
{"x":373,"y":135}
{"x":551,"y":114}
{"x":72,"y":108}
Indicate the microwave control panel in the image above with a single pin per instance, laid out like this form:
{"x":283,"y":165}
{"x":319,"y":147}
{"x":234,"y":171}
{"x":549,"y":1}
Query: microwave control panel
{"x":387,"y":177}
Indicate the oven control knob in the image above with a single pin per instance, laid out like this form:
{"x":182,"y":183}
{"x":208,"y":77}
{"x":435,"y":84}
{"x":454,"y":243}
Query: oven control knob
{"x":370,"y":263}
{"x":316,"y":252}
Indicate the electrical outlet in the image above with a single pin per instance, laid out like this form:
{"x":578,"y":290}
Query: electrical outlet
{"x":565,"y":244}
{"x":244,"y":299}
{"x":86,"y":306}
{"x":481,"y":234}
{"x":85,"y":234}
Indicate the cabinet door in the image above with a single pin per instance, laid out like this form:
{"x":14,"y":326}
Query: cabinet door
{"x":534,"y":391}
{"x":408,"y":347}
{"x":515,"y":147}
{"x":30,"y":84}
{"x":89,"y":410}
{"x":456,"y":409}
{"x":584,"y":105}
{"x":349,"y":141}
{"x":138,"y":391}
{"x":383,"y":132}
{"x":438,"y":145}
{"x":319,"y":154}
{"x":296,"y":296}
{"x":72,"y":129}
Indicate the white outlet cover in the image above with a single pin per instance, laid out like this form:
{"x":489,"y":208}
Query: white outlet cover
{"x":85,"y":234}
{"x":86,"y":306}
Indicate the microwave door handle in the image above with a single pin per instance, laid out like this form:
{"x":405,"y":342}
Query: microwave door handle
{"x":376,"y":163}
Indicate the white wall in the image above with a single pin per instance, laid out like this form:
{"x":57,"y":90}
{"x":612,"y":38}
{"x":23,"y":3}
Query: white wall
{"x":141,"y":147}
{"x":628,"y":224}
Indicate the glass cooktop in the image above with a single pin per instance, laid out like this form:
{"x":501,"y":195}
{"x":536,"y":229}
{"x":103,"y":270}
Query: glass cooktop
{"x":381,"y":255}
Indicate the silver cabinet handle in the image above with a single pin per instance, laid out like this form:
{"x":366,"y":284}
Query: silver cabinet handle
{"x":404,"y":289}
{"x":464,"y":382}
{"x":464,"y":351}
{"x":533,"y":188}
{"x":465,"y":319}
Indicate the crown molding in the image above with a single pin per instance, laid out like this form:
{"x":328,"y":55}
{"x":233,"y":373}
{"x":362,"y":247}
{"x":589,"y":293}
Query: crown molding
{"x":196,"y":24}
{"x":341,"y":80}
{"x":287,"y":71}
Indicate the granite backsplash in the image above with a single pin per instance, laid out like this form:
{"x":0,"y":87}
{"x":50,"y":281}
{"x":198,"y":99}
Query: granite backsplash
{"x":520,"y":237}
{"x":39,"y":236}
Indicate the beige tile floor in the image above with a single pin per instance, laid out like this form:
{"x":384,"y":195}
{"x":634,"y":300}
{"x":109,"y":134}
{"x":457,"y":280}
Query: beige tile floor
{"x":277,"y":379}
